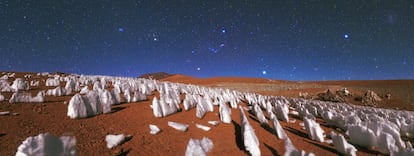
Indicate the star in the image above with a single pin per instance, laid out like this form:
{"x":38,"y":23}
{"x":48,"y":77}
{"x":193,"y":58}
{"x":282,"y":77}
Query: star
{"x":264,"y":72}
{"x":120,"y":29}
{"x":346,"y":36}
{"x":198,"y":69}
{"x":213,"y":50}
{"x":223,"y":30}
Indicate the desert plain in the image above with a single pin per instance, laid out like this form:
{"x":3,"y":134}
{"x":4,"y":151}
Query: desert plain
{"x":133,"y":118}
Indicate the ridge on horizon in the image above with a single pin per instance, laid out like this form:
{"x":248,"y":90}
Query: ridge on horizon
{"x":163,"y":75}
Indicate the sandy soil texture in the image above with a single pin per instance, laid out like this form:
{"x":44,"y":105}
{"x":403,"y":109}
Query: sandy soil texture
{"x":134,"y":119}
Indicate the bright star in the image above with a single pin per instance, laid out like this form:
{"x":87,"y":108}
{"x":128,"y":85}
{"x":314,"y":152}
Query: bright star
{"x":264,"y":72}
{"x":120,"y":29}
{"x":346,"y":36}
{"x":212,"y":50}
{"x":198,"y":68}
{"x":223,"y":30}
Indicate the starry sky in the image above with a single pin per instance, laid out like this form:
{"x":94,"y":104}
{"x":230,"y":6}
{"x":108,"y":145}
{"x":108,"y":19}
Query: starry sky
{"x":289,"y":40}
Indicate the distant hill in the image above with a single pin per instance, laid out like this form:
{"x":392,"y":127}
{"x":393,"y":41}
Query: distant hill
{"x":156,"y":76}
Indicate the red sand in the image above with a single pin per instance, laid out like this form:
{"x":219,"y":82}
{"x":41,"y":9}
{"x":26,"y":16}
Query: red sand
{"x":134,"y":119}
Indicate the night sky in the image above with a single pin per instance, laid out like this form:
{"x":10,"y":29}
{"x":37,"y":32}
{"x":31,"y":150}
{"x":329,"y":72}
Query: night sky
{"x":291,"y":40}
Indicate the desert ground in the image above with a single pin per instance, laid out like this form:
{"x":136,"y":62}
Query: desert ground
{"x":31,"y":119}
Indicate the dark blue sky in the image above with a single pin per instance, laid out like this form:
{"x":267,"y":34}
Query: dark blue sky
{"x":292,"y":40}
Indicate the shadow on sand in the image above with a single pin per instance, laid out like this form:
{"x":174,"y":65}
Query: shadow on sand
{"x":116,"y":109}
{"x":123,"y":152}
{"x":274,"y":152}
{"x":239,"y":136}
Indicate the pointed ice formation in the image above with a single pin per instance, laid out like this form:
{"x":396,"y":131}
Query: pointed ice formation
{"x":47,"y":144}
{"x":107,"y":100}
{"x":138,"y":96}
{"x":259,"y":114}
{"x":278,"y":128}
{"x":315,"y":132}
{"x":189,"y":102}
{"x":161,"y":108}
{"x":290,"y":150}
{"x":362,"y":136}
{"x":127,"y":96}
{"x":52,"y":82}
{"x":19,"y":84}
{"x":200,"y":108}
{"x":249,"y":137}
{"x":89,"y":104}
{"x":197,"y":147}
{"x":282,"y":111}
{"x":342,"y":146}
{"x":77,"y":107}
{"x":58,"y":91}
{"x":26,"y":97}
{"x":84,"y":90}
{"x":225,"y":113}
{"x":156,"y":108}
